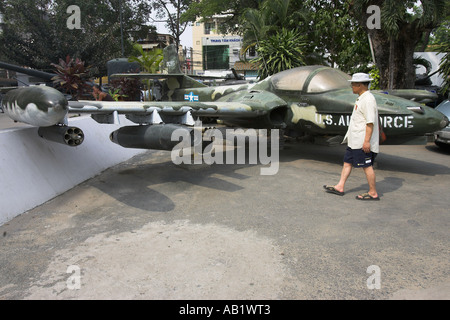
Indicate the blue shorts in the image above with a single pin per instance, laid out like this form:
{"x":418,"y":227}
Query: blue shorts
{"x":359,"y":159}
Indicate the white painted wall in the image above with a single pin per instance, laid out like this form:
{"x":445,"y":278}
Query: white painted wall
{"x":34,"y":170}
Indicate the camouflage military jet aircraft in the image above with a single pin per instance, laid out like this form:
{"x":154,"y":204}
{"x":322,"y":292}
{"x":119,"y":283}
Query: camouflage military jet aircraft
{"x":312,"y":100}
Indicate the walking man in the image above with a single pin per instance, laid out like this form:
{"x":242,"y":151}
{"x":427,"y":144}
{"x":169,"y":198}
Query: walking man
{"x":362,"y":139}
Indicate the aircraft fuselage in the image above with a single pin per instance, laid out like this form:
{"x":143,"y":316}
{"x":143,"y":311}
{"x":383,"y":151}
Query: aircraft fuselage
{"x":313,"y":100}
{"x":326,"y":113}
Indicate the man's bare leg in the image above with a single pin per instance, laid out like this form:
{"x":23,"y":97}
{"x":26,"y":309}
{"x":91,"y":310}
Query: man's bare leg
{"x":371,"y":179}
{"x":346,"y":170}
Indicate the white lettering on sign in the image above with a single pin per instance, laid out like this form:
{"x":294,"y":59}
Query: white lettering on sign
{"x":396,"y":122}
{"x":225,"y":40}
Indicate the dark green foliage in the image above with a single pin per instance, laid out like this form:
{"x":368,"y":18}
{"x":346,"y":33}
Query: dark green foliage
{"x":280,"y":52}
{"x":71,"y":77}
{"x":404,"y":23}
{"x":35,"y":33}
{"x":444,"y":68}
{"x":126,"y":89}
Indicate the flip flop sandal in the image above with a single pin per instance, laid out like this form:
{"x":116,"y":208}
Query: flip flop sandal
{"x":367,"y":197}
{"x":332,"y":190}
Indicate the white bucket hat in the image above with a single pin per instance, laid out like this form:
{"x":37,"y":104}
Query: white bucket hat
{"x":361,"y":77}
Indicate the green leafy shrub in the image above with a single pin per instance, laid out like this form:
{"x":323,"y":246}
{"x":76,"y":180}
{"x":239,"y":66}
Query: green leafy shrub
{"x":72,"y":77}
{"x":126,"y":89}
{"x":280,"y":52}
{"x":375,"y":75}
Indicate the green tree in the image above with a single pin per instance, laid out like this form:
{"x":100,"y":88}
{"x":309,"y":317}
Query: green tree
{"x":444,"y":67}
{"x":35,"y":33}
{"x":331,"y":34}
{"x":279,"y":52}
{"x":334,"y":33}
{"x":441,"y":35}
{"x":172,"y":10}
{"x":403,"y":25}
{"x":232,"y":9}
{"x":149,"y":61}
{"x":337,"y":30}
{"x":259,"y":23}
{"x":441,"y":38}
{"x":255,"y":28}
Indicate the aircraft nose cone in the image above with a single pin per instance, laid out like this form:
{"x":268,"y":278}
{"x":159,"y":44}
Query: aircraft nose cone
{"x":436,"y":119}
{"x":113,"y":137}
{"x":445,"y":122}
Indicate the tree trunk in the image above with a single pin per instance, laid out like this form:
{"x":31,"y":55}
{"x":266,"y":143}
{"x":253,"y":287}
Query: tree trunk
{"x":394,"y":58}
{"x":381,"y":50}
{"x":402,"y":73}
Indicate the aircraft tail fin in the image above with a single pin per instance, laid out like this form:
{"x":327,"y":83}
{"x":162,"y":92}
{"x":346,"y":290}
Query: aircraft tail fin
{"x":171,"y":66}
{"x":170,"y":70}
{"x":171,"y":62}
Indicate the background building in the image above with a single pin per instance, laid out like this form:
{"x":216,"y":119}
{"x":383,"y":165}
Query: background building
{"x":215,"y":52}
{"x":156,"y":40}
{"x":160,"y":40}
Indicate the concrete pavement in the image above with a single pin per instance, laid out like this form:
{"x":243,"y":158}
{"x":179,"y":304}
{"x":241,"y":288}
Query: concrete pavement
{"x":147,"y":229}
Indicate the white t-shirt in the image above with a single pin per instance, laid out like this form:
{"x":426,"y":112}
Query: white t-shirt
{"x":364,"y":113}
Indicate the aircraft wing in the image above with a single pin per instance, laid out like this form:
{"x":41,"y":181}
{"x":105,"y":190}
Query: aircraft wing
{"x":158,"y":76}
{"x":417,"y":95}
{"x":159,"y":120}
{"x":144,"y":75}
{"x":173,"y":112}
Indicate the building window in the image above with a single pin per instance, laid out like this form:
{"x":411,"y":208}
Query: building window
{"x":209,"y":26}
{"x":252,"y":51}
{"x":216,"y":57}
{"x":252,"y":74}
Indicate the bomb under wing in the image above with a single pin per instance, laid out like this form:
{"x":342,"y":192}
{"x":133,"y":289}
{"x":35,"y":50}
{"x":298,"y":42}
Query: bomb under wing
{"x":155,"y":137}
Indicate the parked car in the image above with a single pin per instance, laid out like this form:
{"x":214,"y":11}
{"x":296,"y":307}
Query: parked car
{"x":442,"y":137}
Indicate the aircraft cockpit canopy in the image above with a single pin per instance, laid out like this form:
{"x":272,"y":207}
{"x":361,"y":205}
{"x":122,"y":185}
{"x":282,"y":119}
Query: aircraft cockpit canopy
{"x":311,"y":79}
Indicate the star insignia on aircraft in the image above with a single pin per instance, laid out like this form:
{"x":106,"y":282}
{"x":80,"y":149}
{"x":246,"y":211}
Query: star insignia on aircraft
{"x":191,"y":97}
